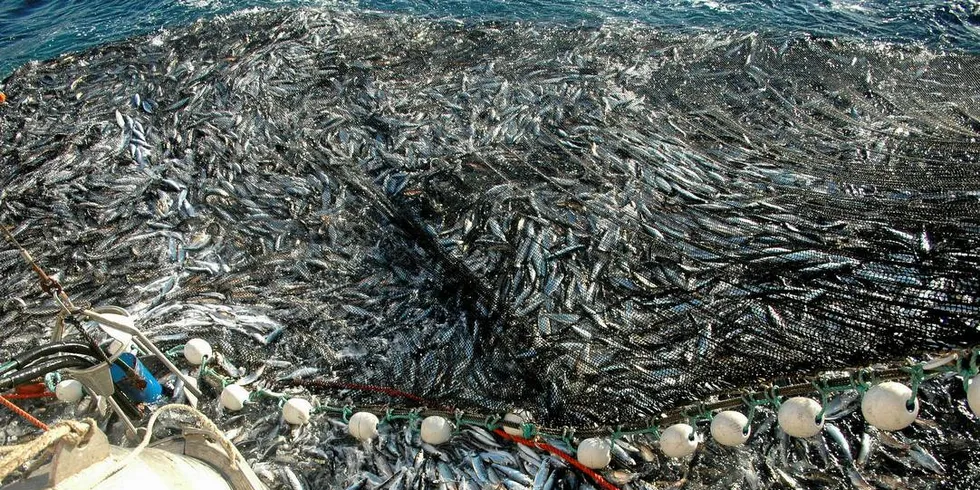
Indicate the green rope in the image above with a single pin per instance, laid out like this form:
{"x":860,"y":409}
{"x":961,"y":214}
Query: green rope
{"x":655,"y":431}
{"x":693,"y":422}
{"x":860,"y":384}
{"x":966,"y":369}
{"x":174,"y":351}
{"x":616,"y":433}
{"x":257,"y":394}
{"x":823,"y":389}
{"x":772,"y":396}
{"x":389,"y":416}
{"x":568,"y":435}
{"x":966,"y":365}
{"x":918,"y":374}
{"x":413,"y":416}
{"x":970,"y":370}
{"x":458,"y":424}
{"x":206,"y":371}
{"x":704,"y":413}
{"x":529,"y":430}
{"x":700,"y":414}
{"x":51,"y":381}
{"x":204,"y":366}
{"x":752,"y":403}
{"x":326,"y":408}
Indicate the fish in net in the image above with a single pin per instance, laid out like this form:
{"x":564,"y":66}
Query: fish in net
{"x":600,"y":225}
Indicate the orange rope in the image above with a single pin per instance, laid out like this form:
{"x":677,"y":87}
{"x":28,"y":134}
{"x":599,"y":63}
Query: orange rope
{"x":603,"y":484}
{"x":30,"y":418}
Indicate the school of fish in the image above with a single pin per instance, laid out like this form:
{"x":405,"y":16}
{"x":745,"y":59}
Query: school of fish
{"x":594,"y":224}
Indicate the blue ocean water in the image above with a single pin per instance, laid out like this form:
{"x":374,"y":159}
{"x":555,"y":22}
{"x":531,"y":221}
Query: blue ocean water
{"x":42,"y":29}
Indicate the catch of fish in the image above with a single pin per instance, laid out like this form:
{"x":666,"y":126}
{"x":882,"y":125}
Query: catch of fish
{"x":595,"y":224}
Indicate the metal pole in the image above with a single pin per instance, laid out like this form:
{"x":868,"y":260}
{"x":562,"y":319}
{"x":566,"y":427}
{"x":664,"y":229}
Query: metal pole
{"x":148,"y":345}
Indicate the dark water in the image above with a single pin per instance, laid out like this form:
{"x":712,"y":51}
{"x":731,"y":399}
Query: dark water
{"x":39,"y":29}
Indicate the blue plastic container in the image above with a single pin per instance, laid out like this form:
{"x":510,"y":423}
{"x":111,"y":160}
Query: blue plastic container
{"x":145,"y":394}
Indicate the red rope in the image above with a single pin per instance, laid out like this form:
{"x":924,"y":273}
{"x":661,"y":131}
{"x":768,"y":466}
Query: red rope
{"x":377,"y":389}
{"x":28,"y":396}
{"x":596,"y":477}
{"x":30,"y":388}
{"x":28,"y":417}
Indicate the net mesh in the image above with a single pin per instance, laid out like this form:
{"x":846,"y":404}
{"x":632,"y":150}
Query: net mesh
{"x":596,"y":224}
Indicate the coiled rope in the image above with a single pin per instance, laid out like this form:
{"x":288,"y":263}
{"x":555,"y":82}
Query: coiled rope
{"x":73,"y":431}
{"x":78,"y":432}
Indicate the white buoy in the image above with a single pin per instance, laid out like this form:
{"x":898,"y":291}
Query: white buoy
{"x":678,"y":441}
{"x":296,"y":411}
{"x":594,"y":453}
{"x":69,"y":390}
{"x":233,"y":397}
{"x":727,"y":428}
{"x":196,"y":349}
{"x":519,"y":417}
{"x":798,"y":417}
{"x":973,"y":395}
{"x":436,"y":430}
{"x":363,"y":426}
{"x":884,"y":406}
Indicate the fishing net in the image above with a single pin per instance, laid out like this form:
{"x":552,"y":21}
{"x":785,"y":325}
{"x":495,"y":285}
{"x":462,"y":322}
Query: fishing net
{"x":597,"y":224}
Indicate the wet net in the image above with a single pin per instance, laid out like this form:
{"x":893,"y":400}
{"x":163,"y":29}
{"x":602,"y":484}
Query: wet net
{"x":597,"y":224}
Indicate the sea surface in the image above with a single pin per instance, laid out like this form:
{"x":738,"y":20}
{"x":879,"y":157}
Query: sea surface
{"x":43,"y":29}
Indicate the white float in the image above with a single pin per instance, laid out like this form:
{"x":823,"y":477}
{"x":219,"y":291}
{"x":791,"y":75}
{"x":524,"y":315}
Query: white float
{"x":594,"y":453}
{"x":196,"y":349}
{"x":436,"y":430}
{"x":798,"y":417}
{"x":69,"y":390}
{"x":363,"y":426}
{"x":727,"y":428}
{"x":297,"y":411}
{"x":519,"y":417}
{"x":678,"y":441}
{"x":233,"y":397}
{"x":973,"y":395}
{"x":884,"y":406}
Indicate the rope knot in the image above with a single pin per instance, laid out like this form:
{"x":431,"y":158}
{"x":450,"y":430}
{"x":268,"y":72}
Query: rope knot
{"x":79,"y":432}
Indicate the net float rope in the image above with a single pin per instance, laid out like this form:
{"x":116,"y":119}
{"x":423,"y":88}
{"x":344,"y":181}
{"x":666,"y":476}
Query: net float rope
{"x":823,"y":386}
